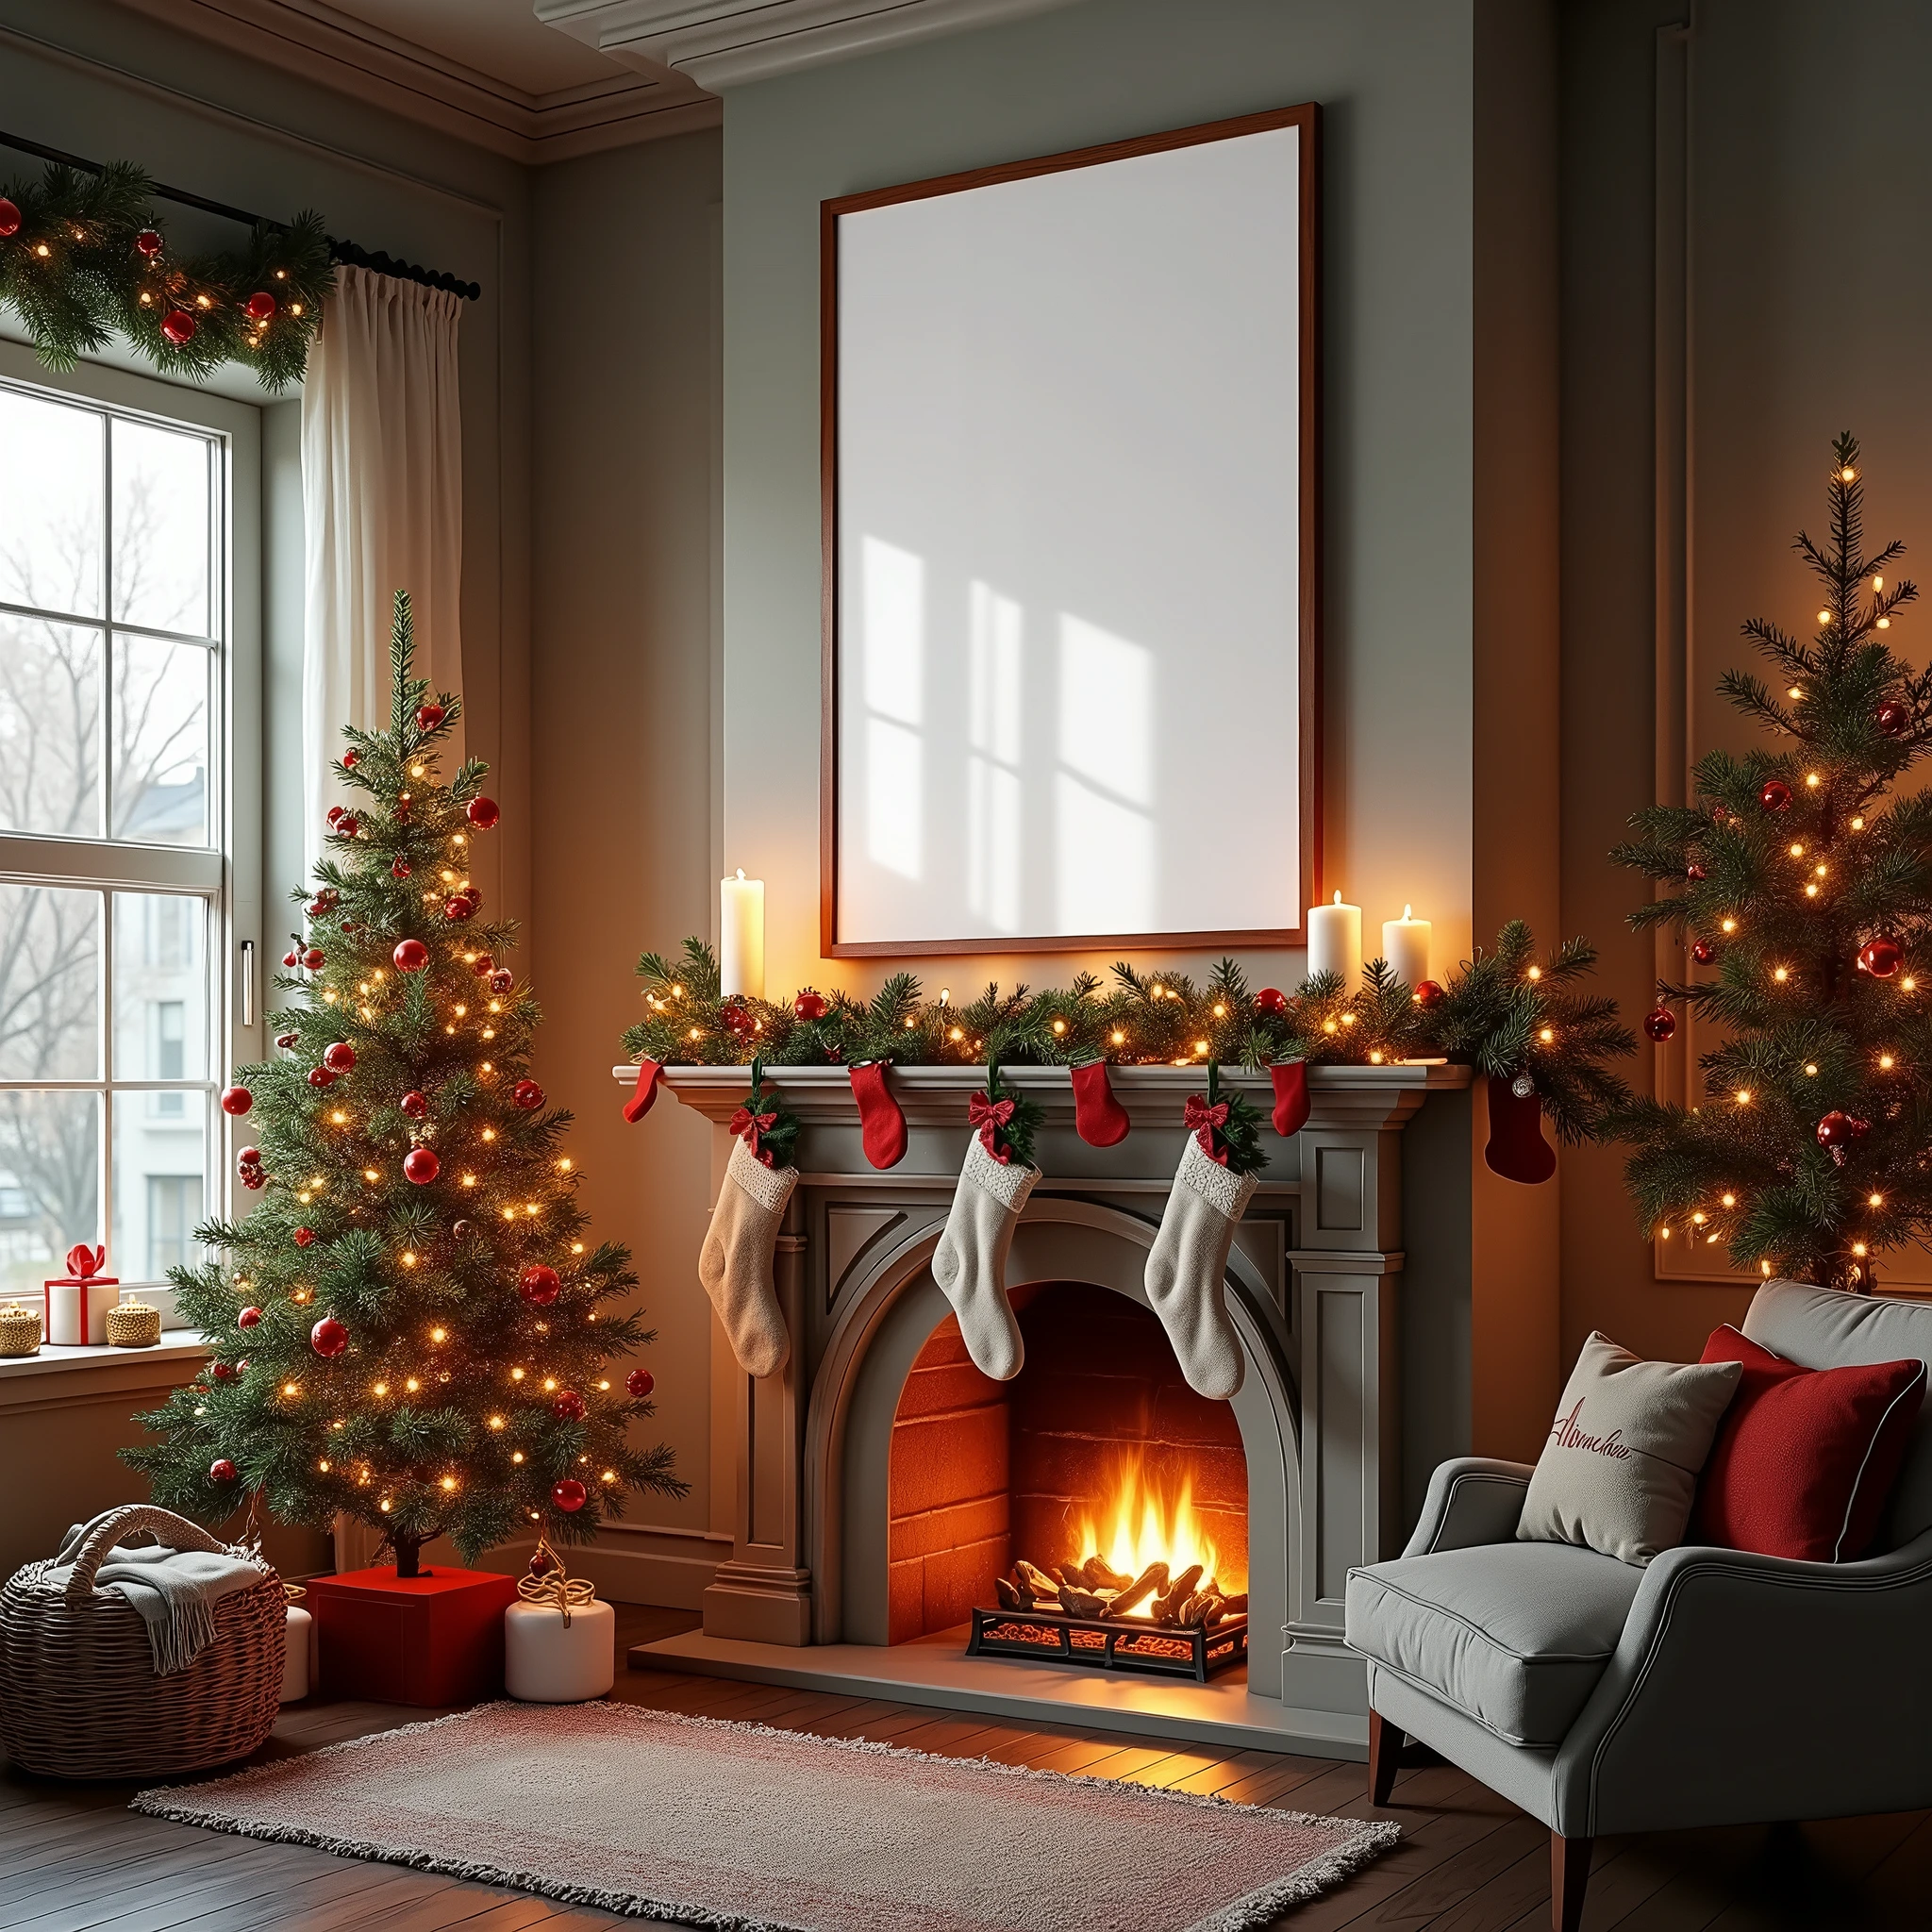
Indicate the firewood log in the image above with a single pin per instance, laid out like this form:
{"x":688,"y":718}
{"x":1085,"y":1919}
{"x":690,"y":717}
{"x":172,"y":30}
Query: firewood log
{"x":1035,"y":1580}
{"x":1167,"y":1604}
{"x":1010,"y":1597}
{"x":1216,"y":1609}
{"x":1199,"y":1610}
{"x":1101,"y":1575}
{"x":1078,"y":1602}
{"x":1235,"y":1606}
{"x":1152,"y":1579}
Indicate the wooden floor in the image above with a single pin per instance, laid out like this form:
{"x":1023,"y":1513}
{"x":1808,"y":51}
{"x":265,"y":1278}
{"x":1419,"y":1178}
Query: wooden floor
{"x":73,"y":1856}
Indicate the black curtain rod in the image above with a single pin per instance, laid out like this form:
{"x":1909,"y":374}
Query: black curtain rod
{"x":348,"y":252}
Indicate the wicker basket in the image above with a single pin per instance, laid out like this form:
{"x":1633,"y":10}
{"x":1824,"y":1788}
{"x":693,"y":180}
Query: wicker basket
{"x":20,"y":1330}
{"x":78,"y":1693}
{"x":133,"y":1324}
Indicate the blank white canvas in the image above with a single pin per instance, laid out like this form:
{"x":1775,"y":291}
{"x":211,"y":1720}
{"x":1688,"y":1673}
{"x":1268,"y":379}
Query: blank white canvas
{"x":1069,"y":518}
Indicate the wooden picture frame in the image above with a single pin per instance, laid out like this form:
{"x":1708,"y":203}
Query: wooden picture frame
{"x":1308,"y":538}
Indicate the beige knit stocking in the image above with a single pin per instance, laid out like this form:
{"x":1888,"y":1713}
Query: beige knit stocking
{"x":1186,"y":1270}
{"x":970,"y":1263}
{"x":735,"y":1263}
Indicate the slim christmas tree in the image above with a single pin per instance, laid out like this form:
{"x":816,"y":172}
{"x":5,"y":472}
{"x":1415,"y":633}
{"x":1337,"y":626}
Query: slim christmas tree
{"x":1804,"y":889}
{"x":410,"y":1326}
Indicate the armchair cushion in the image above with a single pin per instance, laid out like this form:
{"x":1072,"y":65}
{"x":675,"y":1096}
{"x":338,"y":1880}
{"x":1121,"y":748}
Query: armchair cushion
{"x":1514,"y":1634}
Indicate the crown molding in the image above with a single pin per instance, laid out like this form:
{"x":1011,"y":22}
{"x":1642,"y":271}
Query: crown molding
{"x":723,"y":43}
{"x":313,"y":40}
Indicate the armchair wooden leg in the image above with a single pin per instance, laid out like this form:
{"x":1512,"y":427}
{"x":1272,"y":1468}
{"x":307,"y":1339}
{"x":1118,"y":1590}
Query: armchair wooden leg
{"x":1385,"y":1747}
{"x":1569,"y":1875}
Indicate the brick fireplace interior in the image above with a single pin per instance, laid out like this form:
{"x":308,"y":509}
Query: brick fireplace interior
{"x":984,"y":1472}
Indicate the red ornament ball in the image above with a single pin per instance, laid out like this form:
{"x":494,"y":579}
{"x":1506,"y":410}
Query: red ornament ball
{"x":1774,"y":795}
{"x":811,"y":1006}
{"x":237,"y":1101}
{"x":1893,"y":717}
{"x":149,"y":242}
{"x":248,"y":1157}
{"x":430,"y":716}
{"x":286,"y":1040}
{"x":538,"y":1285}
{"x":348,"y":826}
{"x":421,"y":1165}
{"x":328,"y":1337}
{"x":312,"y":958}
{"x":528,"y":1096}
{"x":1272,"y":1001}
{"x":339,"y":1057}
{"x":225,"y":1372}
{"x":482,"y":965}
{"x":410,"y":956}
{"x":1835,"y":1129}
{"x":458,"y":907}
{"x":400,"y":870}
{"x":1693,"y":872}
{"x":305,"y":1237}
{"x":569,"y":1406}
{"x":178,"y":326}
{"x":321,"y":1076}
{"x":9,"y":217}
{"x":415,"y":1105}
{"x":1659,"y":1024}
{"x":292,"y":958}
{"x":569,"y":1495}
{"x":253,"y":1179}
{"x":1430,"y":995}
{"x":1704,"y":952}
{"x":459,"y":1231}
{"x":337,"y":813}
{"x":259,"y":307}
{"x":248,"y":1318}
{"x":541,"y":1563}
{"x":641,"y":1382}
{"x":502,"y":979}
{"x":737,"y":1022}
{"x":350,"y":759}
{"x":484,"y":813}
{"x":221,"y":1470}
{"x":1881,"y":958}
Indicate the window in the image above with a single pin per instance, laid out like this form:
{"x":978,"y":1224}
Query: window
{"x":116,"y":608}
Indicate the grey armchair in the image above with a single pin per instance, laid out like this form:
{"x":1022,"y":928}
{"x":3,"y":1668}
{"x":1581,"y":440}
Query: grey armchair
{"x":1711,"y":1688}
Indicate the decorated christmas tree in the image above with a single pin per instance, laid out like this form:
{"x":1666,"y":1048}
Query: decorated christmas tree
{"x":410,"y":1325}
{"x":1801,"y":884}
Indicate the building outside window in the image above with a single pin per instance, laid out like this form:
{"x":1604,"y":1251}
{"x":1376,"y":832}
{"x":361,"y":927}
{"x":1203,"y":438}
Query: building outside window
{"x":116,"y":608}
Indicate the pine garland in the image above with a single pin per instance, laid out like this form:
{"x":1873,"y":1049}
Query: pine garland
{"x":1503,"y":1012}
{"x":84,"y":256}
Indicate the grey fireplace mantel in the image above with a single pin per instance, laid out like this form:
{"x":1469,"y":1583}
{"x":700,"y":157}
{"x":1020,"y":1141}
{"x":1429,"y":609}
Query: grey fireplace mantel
{"x":1312,"y":1288}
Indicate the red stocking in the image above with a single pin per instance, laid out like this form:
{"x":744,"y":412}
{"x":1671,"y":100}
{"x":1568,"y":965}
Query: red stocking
{"x":1291,"y":1103}
{"x":1100,"y":1120}
{"x":1517,"y":1149}
{"x":884,"y":1124}
{"x":641,"y":1103}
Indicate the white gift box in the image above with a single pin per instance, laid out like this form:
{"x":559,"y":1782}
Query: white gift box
{"x":545,"y":1663}
{"x":77,"y":1312}
{"x":298,"y":1655}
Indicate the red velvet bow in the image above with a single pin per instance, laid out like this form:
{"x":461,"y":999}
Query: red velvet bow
{"x":84,"y":1263}
{"x":1202,"y":1120}
{"x":748,"y":1127}
{"x":989,"y":1116}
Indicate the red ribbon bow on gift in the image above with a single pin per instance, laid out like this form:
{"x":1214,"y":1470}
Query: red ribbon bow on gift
{"x":989,"y":1116}
{"x":84,"y":1263}
{"x":748,"y":1125}
{"x":1202,"y":1120}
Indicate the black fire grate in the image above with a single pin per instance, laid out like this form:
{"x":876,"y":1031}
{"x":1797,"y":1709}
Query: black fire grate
{"x":1124,"y":1643}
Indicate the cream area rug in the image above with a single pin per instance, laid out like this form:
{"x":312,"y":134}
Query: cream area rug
{"x":703,"y":1823}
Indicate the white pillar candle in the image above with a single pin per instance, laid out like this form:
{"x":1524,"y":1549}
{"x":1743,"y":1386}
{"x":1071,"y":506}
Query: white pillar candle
{"x":1335,"y":941}
{"x":1405,"y":947}
{"x":741,"y":936}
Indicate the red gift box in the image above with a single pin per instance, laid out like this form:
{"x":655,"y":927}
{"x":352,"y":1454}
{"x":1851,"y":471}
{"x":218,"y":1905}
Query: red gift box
{"x":435,"y":1638}
{"x":94,"y":1295}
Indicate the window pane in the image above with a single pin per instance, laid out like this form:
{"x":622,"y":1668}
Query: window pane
{"x":161,"y":988}
{"x":50,"y":984}
{"x":160,"y":1181}
{"x":50,"y":506}
{"x":160,"y":741}
{"x":50,"y":726}
{"x":161,"y":536}
{"x":50,"y":1182}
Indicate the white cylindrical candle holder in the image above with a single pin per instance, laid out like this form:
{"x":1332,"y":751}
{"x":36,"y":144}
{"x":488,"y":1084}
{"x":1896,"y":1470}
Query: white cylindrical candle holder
{"x":741,"y":936}
{"x":1335,"y":941}
{"x":545,"y":1663}
{"x":1405,"y":947}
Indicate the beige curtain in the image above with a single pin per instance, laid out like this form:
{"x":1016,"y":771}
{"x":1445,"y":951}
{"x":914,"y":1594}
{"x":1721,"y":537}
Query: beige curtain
{"x":383,"y":510}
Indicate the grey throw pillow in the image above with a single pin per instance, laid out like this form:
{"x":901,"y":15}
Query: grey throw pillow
{"x":1619,"y":1472}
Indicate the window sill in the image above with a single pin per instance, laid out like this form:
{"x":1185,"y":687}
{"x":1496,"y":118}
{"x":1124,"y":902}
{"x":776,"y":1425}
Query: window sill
{"x":59,"y":1374}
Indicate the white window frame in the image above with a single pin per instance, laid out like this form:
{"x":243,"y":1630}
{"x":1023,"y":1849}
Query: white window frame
{"x":228,"y":876}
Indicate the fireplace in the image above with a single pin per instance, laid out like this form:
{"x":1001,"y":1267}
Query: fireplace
{"x":1098,"y":1466}
{"x":884,"y":1488}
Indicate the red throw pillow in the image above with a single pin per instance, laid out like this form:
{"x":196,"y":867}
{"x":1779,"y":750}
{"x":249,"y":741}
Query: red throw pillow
{"x":1805,"y":1458}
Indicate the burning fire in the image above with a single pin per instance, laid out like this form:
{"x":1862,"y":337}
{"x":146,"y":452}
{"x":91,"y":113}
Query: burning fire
{"x":1147,"y":1523}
